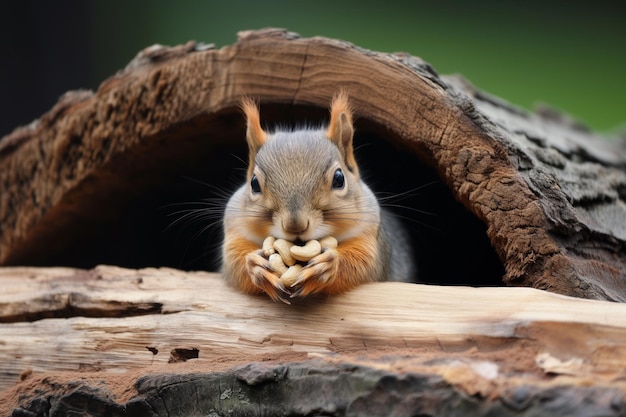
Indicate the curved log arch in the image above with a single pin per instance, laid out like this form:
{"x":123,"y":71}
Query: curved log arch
{"x":550,"y":193}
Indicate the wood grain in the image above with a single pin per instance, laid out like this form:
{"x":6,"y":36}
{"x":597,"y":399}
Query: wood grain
{"x":110,"y":318}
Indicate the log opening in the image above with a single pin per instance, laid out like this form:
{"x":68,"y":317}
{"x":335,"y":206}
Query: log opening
{"x":165,"y":208}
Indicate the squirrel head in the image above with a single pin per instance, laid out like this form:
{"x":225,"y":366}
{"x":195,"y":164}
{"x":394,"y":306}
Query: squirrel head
{"x":304,"y":184}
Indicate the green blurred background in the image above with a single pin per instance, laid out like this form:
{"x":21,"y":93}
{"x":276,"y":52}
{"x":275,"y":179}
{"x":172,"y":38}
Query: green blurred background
{"x":568,"y":55}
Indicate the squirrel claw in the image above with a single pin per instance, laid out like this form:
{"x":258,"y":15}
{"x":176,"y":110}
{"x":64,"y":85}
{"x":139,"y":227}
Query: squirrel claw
{"x":308,"y":288}
{"x":265,"y":279}
{"x":270,"y":283}
{"x":296,"y":294}
{"x":317,"y":275}
{"x":320,"y":271}
{"x":276,"y":291}
{"x":279,"y":298}
{"x":302,"y":292}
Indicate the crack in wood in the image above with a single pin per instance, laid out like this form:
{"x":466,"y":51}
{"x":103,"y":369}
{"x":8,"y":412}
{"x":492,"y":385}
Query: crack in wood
{"x":67,"y":305}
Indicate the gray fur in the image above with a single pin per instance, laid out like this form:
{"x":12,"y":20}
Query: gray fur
{"x":401,"y":266}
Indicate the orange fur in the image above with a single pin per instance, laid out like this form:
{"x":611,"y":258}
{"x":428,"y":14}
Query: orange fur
{"x":355,"y":263}
{"x":339,"y":105}
{"x":341,"y":130}
{"x":244,"y":258}
{"x":236,"y":249}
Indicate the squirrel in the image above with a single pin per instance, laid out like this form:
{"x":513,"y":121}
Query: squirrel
{"x":301,"y":185}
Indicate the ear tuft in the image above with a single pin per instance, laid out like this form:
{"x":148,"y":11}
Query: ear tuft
{"x":255,"y":135}
{"x":340,"y":130}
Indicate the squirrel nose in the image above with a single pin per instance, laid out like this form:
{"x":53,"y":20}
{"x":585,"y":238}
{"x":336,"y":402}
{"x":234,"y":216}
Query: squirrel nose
{"x":295,"y":226}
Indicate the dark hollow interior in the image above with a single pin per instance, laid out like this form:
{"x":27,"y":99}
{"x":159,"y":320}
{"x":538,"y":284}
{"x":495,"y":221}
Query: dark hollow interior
{"x":164,"y":208}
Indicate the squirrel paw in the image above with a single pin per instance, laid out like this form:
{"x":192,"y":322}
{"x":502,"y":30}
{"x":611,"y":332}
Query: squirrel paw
{"x":263,"y":276}
{"x":317,"y":274}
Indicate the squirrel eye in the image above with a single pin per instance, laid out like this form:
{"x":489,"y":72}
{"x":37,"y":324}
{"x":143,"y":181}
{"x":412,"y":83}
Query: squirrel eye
{"x":339,"y":180}
{"x":254,"y":185}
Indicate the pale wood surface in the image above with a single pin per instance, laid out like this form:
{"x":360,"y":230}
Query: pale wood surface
{"x":168,"y":309}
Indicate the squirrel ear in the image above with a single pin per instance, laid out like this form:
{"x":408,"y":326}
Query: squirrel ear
{"x":340,"y":130}
{"x":254,"y":133}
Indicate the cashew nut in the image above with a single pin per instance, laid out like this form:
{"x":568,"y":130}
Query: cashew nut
{"x":328,"y":242}
{"x":282,"y":247}
{"x":277,"y":264}
{"x":291,"y":275}
{"x":268,"y":246}
{"x":305,"y":253}
{"x":283,"y":254}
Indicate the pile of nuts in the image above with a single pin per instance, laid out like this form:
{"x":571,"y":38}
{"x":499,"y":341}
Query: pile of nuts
{"x":288,"y":259}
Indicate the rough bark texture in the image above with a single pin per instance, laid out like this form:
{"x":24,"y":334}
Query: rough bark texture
{"x":545,"y":196}
{"x":114,"y":341}
{"x":314,"y":388}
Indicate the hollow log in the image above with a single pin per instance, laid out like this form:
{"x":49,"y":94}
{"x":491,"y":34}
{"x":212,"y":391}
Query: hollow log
{"x":549,"y":193}
{"x":495,"y":195}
